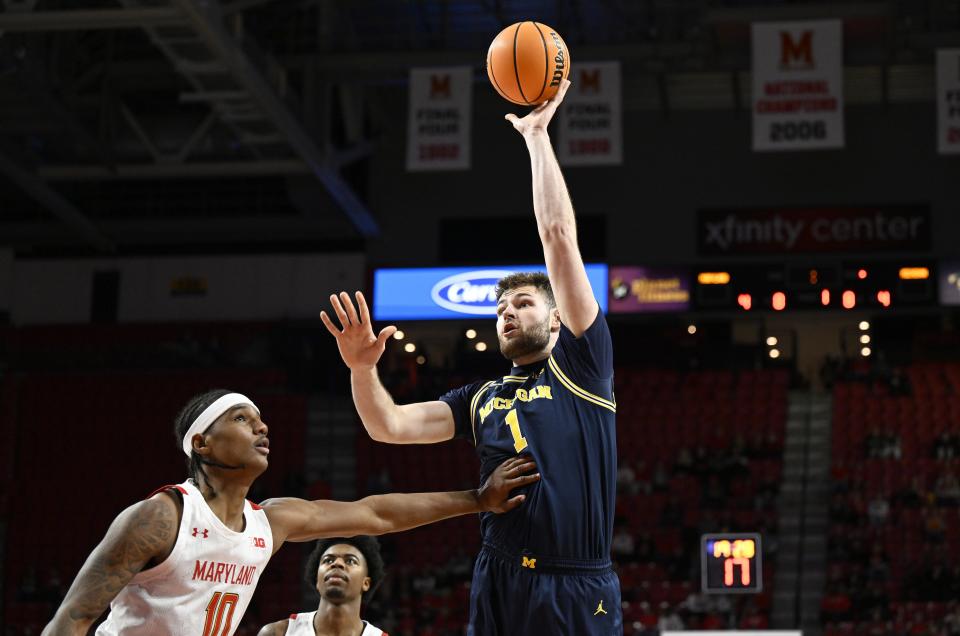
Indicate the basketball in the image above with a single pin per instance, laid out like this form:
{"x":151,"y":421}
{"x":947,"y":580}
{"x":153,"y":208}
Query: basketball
{"x":526,"y":63}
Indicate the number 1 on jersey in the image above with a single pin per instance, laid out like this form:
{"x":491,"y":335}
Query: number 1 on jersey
{"x":519,"y":441}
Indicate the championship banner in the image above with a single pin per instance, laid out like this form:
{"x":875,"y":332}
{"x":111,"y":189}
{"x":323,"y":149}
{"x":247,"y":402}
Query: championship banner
{"x":797,"y":85}
{"x":438,"y":131}
{"x":591,"y":132}
{"x":948,"y":101}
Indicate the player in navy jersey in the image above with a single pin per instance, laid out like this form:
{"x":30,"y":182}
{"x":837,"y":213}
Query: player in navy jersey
{"x":544,"y":568}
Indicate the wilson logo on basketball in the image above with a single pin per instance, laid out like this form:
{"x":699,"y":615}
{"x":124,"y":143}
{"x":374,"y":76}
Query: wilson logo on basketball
{"x":471,"y":293}
{"x":559,"y":60}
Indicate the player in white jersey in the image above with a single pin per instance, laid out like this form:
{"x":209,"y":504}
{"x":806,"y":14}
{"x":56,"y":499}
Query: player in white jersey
{"x":344,"y":572}
{"x":185,"y":561}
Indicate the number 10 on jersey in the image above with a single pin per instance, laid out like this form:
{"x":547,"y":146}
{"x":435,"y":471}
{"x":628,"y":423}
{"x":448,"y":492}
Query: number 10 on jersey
{"x":513,"y":421}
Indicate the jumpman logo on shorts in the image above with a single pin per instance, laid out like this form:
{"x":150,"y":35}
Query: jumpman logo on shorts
{"x":600,"y":609}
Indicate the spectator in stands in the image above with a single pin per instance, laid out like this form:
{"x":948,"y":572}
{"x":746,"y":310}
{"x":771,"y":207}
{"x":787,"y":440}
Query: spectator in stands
{"x":622,"y":545}
{"x":951,"y":620}
{"x":913,"y":495}
{"x":946,"y":446}
{"x":935,"y":528}
{"x":878,"y":510}
{"x":626,"y":478}
{"x":344,"y":572}
{"x":883,"y":445}
{"x":947,"y":489}
{"x":661,"y":478}
{"x":669,"y":618}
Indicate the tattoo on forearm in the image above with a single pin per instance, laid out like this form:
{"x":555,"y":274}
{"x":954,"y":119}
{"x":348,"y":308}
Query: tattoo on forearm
{"x":148,"y":532}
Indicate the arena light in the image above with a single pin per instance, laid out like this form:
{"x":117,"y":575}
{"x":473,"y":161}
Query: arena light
{"x":865,"y":339}
{"x":421,"y":360}
{"x":849,"y":299}
{"x":745,"y":301}
{"x":883,"y":297}
{"x":471,"y":334}
{"x":771,"y":341}
{"x":862,"y":274}
{"x":691,"y":329}
{"x":779,"y":301}
{"x":813,"y":277}
{"x":865,"y":352}
{"x":824,"y":297}
{"x":774,"y":353}
{"x":713,"y":278}
{"x":481,"y":346}
{"x":409,"y":347}
{"x":398,"y":335}
{"x":914,"y":273}
{"x":864,"y":325}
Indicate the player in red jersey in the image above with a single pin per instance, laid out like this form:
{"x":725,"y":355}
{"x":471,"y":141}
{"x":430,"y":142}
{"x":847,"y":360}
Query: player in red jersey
{"x":187,"y":559}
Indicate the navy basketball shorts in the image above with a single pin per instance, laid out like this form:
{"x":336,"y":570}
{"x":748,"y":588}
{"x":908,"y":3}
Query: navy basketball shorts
{"x":519,"y":595}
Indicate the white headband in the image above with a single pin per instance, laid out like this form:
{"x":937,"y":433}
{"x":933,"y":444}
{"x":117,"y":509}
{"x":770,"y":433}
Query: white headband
{"x":210,"y":415}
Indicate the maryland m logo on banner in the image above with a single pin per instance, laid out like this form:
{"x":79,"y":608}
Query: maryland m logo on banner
{"x":438,"y":129}
{"x":797,"y":85}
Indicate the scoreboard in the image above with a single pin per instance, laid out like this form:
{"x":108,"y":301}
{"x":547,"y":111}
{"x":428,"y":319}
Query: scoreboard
{"x":731,"y":563}
{"x":816,"y":286}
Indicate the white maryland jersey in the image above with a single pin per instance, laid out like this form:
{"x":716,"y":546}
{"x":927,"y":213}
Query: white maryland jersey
{"x":302,"y":625}
{"x":204,"y":586}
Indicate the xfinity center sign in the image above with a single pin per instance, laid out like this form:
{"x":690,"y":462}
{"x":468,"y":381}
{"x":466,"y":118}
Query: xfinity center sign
{"x":437,"y":293}
{"x":903,"y":228}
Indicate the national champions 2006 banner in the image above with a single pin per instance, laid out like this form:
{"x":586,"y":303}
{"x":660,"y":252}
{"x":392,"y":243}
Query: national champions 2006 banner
{"x":797,"y":85}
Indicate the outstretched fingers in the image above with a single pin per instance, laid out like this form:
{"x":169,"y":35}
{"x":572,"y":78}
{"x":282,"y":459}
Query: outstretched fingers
{"x":364,"y":310}
{"x":325,"y":319}
{"x":338,"y":309}
{"x":351,"y":310}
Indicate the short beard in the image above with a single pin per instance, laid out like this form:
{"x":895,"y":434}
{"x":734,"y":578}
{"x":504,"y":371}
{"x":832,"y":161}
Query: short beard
{"x":335,"y":594}
{"x":534,"y":341}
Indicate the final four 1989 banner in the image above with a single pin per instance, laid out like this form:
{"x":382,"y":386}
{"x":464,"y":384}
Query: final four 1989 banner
{"x":797,"y":85}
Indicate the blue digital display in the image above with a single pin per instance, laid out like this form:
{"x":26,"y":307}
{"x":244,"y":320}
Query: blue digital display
{"x":454,"y":293}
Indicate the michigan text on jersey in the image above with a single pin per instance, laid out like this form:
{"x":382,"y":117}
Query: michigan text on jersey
{"x":523,"y":395}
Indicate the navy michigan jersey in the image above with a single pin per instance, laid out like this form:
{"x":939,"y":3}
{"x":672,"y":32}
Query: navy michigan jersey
{"x":562,"y":412}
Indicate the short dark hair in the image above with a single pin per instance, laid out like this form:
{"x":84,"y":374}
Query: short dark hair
{"x":181,"y":425}
{"x":370,"y":549}
{"x":522,"y":279}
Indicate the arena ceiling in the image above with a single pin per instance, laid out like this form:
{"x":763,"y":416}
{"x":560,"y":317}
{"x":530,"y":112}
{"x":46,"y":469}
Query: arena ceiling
{"x":166,"y":125}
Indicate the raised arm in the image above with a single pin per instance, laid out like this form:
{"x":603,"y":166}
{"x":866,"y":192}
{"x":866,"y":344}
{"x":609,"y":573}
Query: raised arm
{"x":555,"y":219}
{"x":385,"y":421}
{"x":143,"y":532}
{"x":299,"y":520}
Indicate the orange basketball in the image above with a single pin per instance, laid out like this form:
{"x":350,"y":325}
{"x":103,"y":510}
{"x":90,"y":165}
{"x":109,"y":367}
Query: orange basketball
{"x":526,"y":62}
